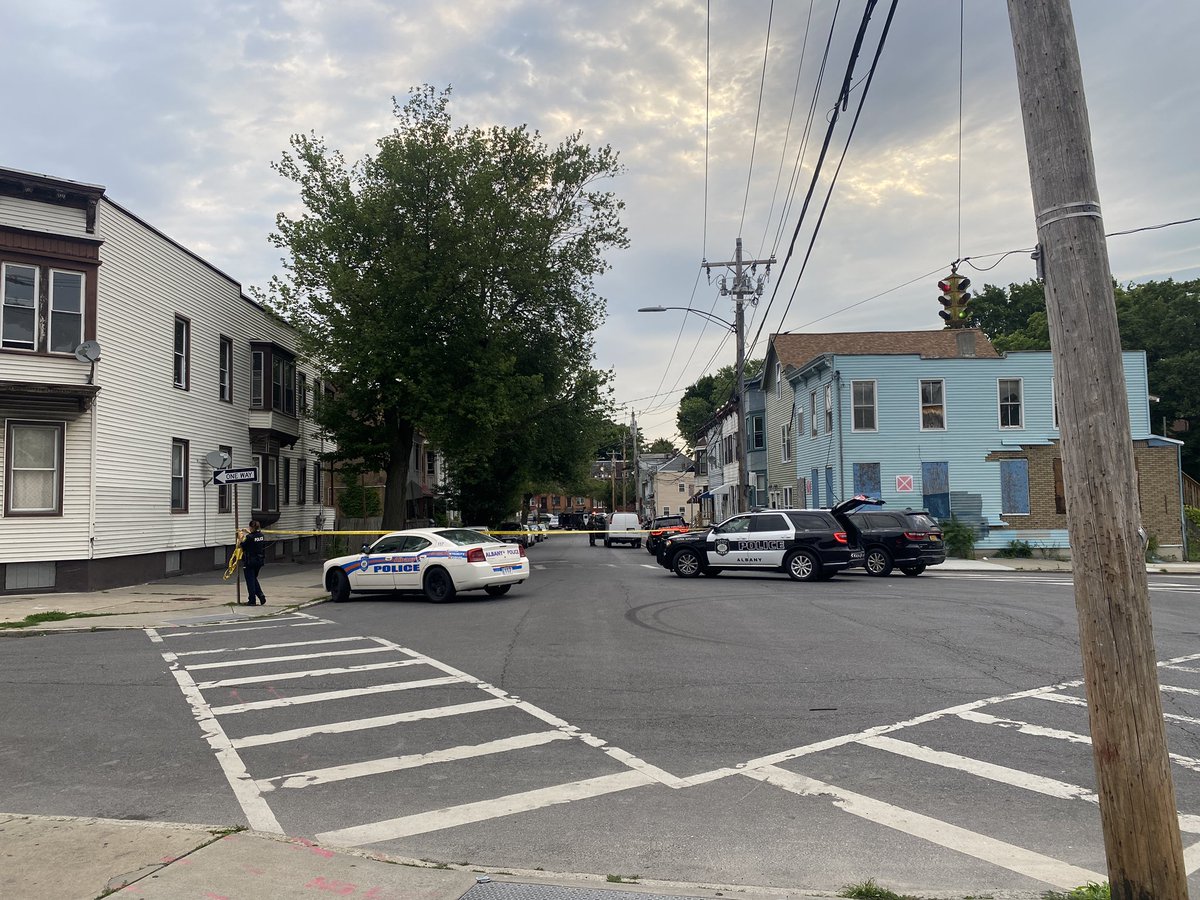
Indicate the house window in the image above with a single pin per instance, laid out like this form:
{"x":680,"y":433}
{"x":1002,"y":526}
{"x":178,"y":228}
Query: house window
{"x":264,"y":495}
{"x":1014,"y":487}
{"x":829,"y":409}
{"x":862,"y":401}
{"x":785,"y":441}
{"x":225,"y":380}
{"x":701,"y":462}
{"x":682,"y":488}
{"x":179,"y":476}
{"x":1010,"y":402}
{"x":728,"y":447}
{"x":758,"y":438}
{"x":33,"y":474}
{"x":256,"y":379}
{"x":20,"y":307}
{"x":317,"y":497}
{"x":302,"y":393}
{"x":933,"y":405}
{"x":431,"y":463}
{"x":778,"y":381}
{"x":183,"y":351}
{"x":787,"y":497}
{"x":283,"y":384}
{"x":66,"y":311}
{"x":866,"y":480}
{"x":286,"y":487}
{"x":223,"y":490}
{"x":812,"y":413}
{"x":302,"y":483}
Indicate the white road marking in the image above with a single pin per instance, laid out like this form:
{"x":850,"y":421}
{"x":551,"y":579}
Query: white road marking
{"x":1171,"y":689}
{"x":341,"y":640}
{"x":416,"y":715}
{"x":246,"y":628}
{"x":1191,"y":858}
{"x":1079,"y":701}
{"x":484,"y":810}
{"x":1191,"y":670}
{"x":412,"y":761}
{"x":234,"y":708}
{"x":248,"y":795}
{"x":274,"y":659}
{"x":1002,"y":774}
{"x":998,"y":853}
{"x":310,"y":673}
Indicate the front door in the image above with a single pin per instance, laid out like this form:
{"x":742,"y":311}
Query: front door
{"x":408,"y":565}
{"x":375,"y":567}
{"x":766,"y":543}
{"x":723,"y":542}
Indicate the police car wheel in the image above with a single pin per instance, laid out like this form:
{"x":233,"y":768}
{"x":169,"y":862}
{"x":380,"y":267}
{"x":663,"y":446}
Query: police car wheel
{"x":686,"y":564}
{"x":339,"y":586}
{"x":878,"y":562}
{"x":438,"y":586}
{"x":497,"y":590}
{"x":801,"y":566}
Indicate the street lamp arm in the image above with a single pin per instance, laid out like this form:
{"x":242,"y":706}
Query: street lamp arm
{"x":688,"y":309}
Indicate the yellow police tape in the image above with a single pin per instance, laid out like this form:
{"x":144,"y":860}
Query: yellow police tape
{"x":556,"y":531}
{"x":234,"y":559}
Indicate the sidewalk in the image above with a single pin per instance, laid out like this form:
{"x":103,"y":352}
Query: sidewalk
{"x":83,"y":859}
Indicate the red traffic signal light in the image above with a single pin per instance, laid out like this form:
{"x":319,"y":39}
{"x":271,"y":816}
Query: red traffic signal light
{"x":954,"y":298}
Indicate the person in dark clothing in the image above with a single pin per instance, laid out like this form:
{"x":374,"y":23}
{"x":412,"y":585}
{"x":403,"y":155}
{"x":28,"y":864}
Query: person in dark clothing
{"x":254,"y":556}
{"x":594,"y":524}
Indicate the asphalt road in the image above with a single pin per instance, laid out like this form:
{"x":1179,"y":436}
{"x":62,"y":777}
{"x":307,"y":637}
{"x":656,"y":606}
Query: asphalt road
{"x":609,"y":717}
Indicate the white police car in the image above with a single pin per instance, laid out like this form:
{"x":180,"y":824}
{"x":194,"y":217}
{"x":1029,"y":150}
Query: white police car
{"x":439,"y":562}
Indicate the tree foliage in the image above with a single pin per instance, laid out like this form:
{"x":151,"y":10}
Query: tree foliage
{"x":1161,"y":318}
{"x":445,"y":285}
{"x":662,"y":445}
{"x":706,"y":395}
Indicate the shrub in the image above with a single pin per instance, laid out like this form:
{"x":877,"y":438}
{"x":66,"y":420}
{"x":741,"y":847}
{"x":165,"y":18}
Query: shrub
{"x":960,"y":538}
{"x":356,"y":501}
{"x":1016,"y":550}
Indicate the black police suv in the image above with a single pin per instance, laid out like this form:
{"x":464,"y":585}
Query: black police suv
{"x":909,"y":540}
{"x":807,"y":544}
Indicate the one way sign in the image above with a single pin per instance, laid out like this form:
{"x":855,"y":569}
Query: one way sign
{"x":249,"y":474}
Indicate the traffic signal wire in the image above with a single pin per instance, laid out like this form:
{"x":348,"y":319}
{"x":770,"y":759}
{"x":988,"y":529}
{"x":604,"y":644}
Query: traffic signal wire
{"x":762,"y":84}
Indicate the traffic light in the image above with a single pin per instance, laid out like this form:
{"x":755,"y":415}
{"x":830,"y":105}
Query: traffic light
{"x":954,"y":298}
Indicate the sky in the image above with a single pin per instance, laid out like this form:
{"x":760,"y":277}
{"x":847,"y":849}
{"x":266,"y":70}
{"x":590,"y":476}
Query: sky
{"x":179,"y":110}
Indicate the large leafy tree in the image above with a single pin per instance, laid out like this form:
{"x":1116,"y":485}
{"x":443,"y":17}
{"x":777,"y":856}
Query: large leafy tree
{"x":1161,"y":318}
{"x":706,"y":395}
{"x":445,"y":285}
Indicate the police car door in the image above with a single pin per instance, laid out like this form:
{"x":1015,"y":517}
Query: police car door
{"x":768,"y":538}
{"x":408,"y":567}
{"x":375,"y":567}
{"x":724,"y":542}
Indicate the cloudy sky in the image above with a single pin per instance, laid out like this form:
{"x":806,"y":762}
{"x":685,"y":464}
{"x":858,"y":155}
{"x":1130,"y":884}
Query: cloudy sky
{"x":179,"y":109}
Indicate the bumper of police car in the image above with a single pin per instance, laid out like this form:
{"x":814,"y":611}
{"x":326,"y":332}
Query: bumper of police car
{"x":501,"y":566}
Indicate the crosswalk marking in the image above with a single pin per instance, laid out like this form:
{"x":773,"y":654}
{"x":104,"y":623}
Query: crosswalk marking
{"x":417,"y":715}
{"x":341,"y":640}
{"x":274,"y":659}
{"x":1007,"y":856}
{"x":482,"y":811}
{"x":309,"y":673}
{"x":210,"y":630}
{"x":1079,"y":701}
{"x":396,"y":763}
{"x":278,"y":702}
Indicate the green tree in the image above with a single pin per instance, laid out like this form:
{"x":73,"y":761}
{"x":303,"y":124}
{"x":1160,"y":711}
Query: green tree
{"x":445,"y":284}
{"x":662,"y":445}
{"x":706,"y":395}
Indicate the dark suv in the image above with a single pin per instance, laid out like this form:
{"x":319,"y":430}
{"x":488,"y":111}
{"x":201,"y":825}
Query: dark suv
{"x":909,"y":540}
{"x":662,"y":528}
{"x":807,"y":544}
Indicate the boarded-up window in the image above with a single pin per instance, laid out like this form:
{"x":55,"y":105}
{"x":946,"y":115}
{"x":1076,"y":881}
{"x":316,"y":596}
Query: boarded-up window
{"x":1060,"y":492}
{"x":935,"y":488}
{"x":1014,"y":487}
{"x":866,"y":480}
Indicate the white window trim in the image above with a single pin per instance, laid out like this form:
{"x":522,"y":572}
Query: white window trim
{"x":921,"y":405}
{"x":874,"y":405}
{"x":787,"y":497}
{"x":225,"y":368}
{"x":1000,"y":405}
{"x":812,"y":414}
{"x":778,"y":381}
{"x":183,"y":357}
{"x":10,"y":469}
{"x":829,"y":409}
{"x":50,"y":310}
{"x":785,"y":443}
{"x":37,"y":275}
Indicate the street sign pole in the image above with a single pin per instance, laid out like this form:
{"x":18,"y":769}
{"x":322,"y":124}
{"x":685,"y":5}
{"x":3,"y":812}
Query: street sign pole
{"x":237,"y":518}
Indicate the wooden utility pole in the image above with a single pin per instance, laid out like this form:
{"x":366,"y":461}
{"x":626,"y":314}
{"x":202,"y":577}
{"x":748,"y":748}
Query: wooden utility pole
{"x":1133,"y":771}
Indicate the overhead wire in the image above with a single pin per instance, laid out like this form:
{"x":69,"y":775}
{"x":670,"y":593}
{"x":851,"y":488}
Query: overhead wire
{"x":762,"y":84}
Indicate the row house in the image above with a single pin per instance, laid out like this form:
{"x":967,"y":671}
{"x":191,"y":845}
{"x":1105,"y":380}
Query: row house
{"x":672,"y":487}
{"x":128,"y":364}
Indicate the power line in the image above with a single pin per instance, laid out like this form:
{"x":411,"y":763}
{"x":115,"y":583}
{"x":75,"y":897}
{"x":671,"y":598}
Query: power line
{"x":762,"y":84}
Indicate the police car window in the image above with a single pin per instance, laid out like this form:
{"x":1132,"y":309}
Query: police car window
{"x":808,"y":522}
{"x":770,"y":522}
{"x":413,"y":543}
{"x":388,"y":545}
{"x":739,"y":525}
{"x":462,"y":536}
{"x":920,"y":520}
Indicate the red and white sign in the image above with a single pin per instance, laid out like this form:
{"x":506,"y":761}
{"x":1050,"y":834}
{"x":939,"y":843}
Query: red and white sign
{"x":904,"y":484}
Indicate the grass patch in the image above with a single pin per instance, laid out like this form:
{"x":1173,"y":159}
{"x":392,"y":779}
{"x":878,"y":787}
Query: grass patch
{"x":869,"y":890}
{"x":52,"y":616}
{"x":622,"y":879}
{"x":228,"y":830}
{"x":1089,"y":891}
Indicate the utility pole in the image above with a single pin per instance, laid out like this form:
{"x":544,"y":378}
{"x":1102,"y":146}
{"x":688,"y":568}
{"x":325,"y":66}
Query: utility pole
{"x":743,"y":284}
{"x":613,"y":479}
{"x":637,"y":472}
{"x":1133,"y":771}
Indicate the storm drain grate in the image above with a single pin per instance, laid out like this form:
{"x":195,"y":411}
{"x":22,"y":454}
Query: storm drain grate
{"x":497,"y":890}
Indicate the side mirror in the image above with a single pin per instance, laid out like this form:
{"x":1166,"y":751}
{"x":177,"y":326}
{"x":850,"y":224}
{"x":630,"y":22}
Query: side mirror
{"x":365,"y":548}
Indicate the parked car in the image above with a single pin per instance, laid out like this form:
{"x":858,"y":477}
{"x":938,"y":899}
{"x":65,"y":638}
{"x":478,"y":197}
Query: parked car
{"x":806,"y":544}
{"x":623,"y":528}
{"x":662,"y":528}
{"x":514,"y":533}
{"x":910,"y":540}
{"x":439,"y":562}
{"x":553,"y":523}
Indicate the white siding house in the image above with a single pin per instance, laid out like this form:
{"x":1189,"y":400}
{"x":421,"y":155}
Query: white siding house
{"x":105,"y":479}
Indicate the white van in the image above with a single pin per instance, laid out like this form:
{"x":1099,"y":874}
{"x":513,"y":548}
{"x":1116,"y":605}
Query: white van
{"x":623,"y":528}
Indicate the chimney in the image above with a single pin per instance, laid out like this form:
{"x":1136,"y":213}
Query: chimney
{"x":966,"y":343}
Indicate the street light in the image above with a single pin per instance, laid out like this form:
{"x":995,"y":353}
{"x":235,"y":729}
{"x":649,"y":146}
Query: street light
{"x":737,"y":326}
